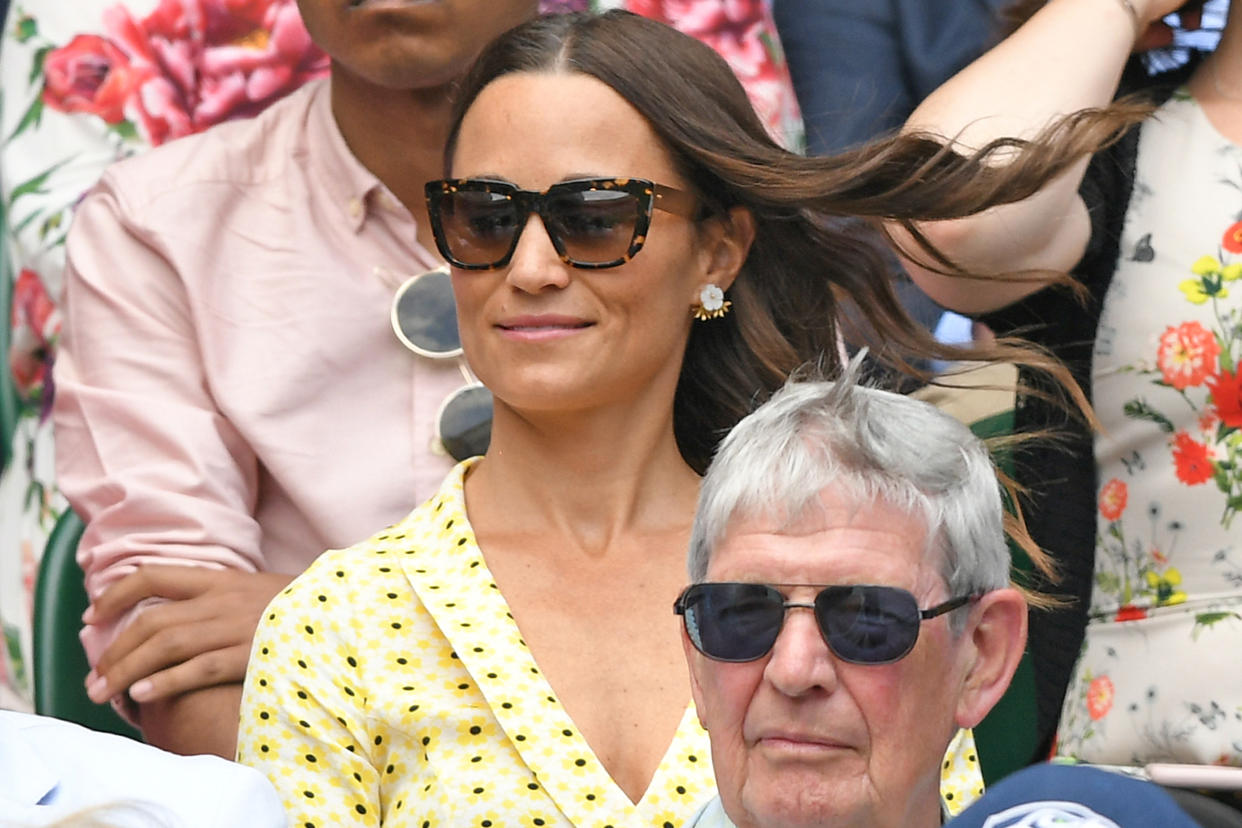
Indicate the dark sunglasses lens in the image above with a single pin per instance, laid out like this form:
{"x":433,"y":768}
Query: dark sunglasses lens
{"x":868,"y":624}
{"x":733,"y":622}
{"x":478,"y":226}
{"x":465,"y":422}
{"x":594,"y":226}
{"x":424,"y":315}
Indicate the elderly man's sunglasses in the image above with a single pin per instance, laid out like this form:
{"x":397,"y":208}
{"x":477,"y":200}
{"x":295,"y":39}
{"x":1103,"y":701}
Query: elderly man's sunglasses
{"x":861,"y":624}
{"x":592,"y":222}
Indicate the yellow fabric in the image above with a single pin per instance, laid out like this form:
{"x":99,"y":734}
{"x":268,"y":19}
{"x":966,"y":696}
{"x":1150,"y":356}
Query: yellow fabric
{"x":961,"y":779}
{"x":389,"y":685}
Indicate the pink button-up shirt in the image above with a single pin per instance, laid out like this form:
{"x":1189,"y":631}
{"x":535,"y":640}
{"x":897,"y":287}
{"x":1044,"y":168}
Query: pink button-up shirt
{"x":229,"y":389}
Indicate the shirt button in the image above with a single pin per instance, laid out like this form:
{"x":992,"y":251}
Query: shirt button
{"x":355,"y":208}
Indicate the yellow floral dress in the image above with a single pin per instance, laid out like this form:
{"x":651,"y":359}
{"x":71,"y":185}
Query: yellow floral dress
{"x":389,"y":685}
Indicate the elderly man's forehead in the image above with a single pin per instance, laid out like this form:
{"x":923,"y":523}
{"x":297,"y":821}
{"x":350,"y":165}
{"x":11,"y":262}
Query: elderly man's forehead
{"x":836,"y":505}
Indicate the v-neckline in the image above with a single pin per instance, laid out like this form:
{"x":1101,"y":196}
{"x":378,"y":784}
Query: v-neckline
{"x":479,"y":625}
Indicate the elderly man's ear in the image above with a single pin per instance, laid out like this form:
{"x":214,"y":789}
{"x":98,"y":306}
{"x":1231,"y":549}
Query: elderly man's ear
{"x":995,"y":639}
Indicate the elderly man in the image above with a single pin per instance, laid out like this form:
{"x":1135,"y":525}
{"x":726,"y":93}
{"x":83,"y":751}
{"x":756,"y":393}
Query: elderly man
{"x":850,"y":607}
{"x":850,"y":610}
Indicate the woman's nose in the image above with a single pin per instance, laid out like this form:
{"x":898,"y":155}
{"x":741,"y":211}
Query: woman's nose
{"x":535,"y":264}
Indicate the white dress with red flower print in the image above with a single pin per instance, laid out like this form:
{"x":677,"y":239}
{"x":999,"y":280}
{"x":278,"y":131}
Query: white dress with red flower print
{"x":1160,"y":674}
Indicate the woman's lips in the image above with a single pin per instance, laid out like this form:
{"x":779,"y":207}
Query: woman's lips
{"x":542,"y":327}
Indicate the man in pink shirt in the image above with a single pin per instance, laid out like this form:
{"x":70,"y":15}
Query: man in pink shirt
{"x":230,"y":395}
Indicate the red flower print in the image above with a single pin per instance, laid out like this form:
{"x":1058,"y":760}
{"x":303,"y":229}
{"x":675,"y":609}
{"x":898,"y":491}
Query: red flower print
{"x":205,"y":61}
{"x":35,"y":330}
{"x":1187,"y":355}
{"x":1129,"y":612}
{"x":1232,"y":240}
{"x":1194,"y":465}
{"x":89,"y":74}
{"x":1208,"y":419}
{"x":1113,"y":499}
{"x":1099,"y":697}
{"x":1226,"y":391}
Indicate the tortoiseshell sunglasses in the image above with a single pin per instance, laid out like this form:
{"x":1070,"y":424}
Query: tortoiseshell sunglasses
{"x":592,"y":222}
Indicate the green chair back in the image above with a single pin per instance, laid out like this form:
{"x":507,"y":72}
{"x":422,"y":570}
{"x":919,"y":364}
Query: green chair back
{"x":60,"y":665}
{"x":1006,"y":737}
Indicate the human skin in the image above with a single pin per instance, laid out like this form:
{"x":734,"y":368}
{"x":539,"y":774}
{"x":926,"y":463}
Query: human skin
{"x":800,"y":737}
{"x":1068,"y":56}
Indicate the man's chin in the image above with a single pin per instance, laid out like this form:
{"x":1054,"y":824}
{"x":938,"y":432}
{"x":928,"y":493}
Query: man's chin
{"x":800,"y":798}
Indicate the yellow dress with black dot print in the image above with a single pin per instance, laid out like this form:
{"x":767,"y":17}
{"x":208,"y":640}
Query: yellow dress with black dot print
{"x":389,"y":685}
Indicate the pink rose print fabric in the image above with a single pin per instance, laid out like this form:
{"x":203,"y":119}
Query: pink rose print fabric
{"x":743,"y":33}
{"x":185,"y":66}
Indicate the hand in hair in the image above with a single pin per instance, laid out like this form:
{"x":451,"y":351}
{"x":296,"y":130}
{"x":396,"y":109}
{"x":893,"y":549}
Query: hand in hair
{"x":1159,"y":34}
{"x":1050,"y":82}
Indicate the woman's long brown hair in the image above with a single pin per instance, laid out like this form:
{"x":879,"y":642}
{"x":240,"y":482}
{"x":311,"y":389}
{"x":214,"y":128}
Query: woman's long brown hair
{"x":819,"y":262}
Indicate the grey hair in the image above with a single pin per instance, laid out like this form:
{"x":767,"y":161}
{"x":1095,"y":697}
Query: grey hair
{"x":878,"y":446}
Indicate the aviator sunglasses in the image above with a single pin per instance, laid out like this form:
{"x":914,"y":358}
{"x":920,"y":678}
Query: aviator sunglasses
{"x":424,"y":317}
{"x":592,"y":222}
{"x":861,"y":624}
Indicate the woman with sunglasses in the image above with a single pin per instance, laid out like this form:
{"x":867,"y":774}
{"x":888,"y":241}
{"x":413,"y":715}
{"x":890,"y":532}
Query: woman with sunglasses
{"x":635,"y":264}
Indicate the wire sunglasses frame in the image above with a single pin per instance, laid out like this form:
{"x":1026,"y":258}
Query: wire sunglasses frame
{"x":901,"y":619}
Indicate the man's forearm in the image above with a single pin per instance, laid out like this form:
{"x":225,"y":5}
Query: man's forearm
{"x":200,"y":721}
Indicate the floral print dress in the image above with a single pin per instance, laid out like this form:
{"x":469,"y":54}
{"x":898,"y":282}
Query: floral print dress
{"x":1160,"y":673}
{"x":89,"y":82}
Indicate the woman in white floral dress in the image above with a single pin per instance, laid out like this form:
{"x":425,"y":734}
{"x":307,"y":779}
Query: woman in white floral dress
{"x":1153,"y":232}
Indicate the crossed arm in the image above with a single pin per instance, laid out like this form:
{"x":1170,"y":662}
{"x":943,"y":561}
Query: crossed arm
{"x":166,"y":484}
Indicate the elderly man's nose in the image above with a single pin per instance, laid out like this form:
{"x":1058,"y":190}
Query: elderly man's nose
{"x":800,"y":659}
{"x":535,"y":264}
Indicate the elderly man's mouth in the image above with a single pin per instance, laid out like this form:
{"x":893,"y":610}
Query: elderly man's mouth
{"x":795,"y":745}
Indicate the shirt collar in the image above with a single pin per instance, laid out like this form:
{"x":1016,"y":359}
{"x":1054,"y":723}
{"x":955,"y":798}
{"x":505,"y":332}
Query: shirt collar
{"x":352,"y":187}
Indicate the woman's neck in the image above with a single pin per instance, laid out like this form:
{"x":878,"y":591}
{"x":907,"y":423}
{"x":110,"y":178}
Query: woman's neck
{"x":585,"y":479}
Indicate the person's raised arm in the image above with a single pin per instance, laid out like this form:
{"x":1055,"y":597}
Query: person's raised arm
{"x":159,"y":474}
{"x":1069,"y":56}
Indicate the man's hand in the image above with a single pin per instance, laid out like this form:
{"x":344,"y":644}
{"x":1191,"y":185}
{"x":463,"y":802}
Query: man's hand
{"x":200,"y":638}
